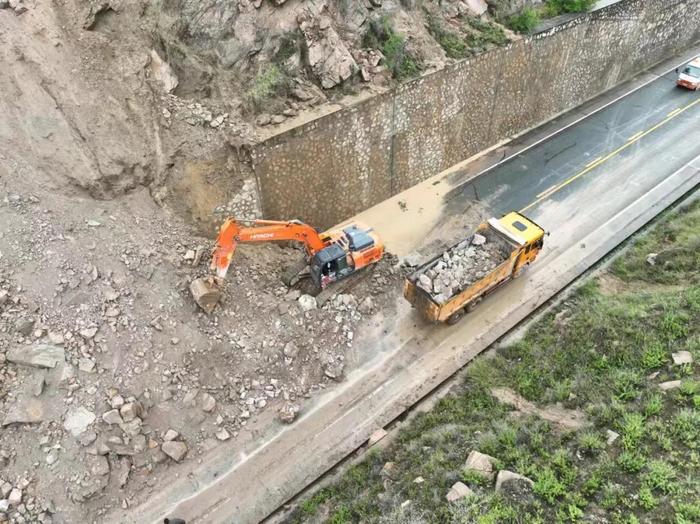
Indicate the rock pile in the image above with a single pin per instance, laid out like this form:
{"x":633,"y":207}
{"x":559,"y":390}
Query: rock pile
{"x":118,"y":374}
{"x":463,"y":265}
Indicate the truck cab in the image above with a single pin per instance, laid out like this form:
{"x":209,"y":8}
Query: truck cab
{"x":689,"y":75}
{"x":526,"y":233}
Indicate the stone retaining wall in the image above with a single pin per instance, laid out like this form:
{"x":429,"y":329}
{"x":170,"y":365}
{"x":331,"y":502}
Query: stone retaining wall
{"x":335,"y":166}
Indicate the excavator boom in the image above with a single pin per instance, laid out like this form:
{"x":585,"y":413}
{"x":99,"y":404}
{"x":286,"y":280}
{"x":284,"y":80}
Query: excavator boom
{"x":331,"y":256}
{"x":233,"y":231}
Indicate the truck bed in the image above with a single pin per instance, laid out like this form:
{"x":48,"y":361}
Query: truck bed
{"x":462,"y":265}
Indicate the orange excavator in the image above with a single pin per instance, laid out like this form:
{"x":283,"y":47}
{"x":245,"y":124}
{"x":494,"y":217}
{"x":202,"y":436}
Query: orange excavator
{"x":330,"y":256}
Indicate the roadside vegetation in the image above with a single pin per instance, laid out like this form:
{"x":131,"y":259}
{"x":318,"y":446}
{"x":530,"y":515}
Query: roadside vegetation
{"x":273,"y":82}
{"x":617,"y":353}
{"x":527,"y":20}
{"x":399,"y":60}
{"x":471,"y":37}
{"x":269,"y":86}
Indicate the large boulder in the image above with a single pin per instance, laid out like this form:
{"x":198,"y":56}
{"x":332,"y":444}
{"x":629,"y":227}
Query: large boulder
{"x":329,"y":59}
{"x":162,"y":72}
{"x":481,"y":464}
{"x":513,"y":485}
{"x":174,"y":449}
{"x":458,"y":491}
{"x":39,"y":355}
{"x":77,"y":420}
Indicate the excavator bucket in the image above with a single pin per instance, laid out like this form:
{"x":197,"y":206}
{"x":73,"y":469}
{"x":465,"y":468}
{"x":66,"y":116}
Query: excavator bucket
{"x":206,"y":292}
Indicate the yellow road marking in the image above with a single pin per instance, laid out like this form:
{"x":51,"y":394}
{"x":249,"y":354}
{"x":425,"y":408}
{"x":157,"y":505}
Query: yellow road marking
{"x":675,"y":111}
{"x":592,"y":162}
{"x":635,"y":136}
{"x":550,"y":188}
{"x":619,"y":150}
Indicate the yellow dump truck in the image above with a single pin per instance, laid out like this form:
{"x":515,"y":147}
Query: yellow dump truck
{"x":453,"y":283}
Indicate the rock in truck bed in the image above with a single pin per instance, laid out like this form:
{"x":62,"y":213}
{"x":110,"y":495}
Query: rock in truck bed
{"x":463,"y":264}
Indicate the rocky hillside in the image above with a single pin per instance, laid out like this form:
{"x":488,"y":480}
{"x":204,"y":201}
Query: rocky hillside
{"x":298,"y":51}
{"x":108,"y":95}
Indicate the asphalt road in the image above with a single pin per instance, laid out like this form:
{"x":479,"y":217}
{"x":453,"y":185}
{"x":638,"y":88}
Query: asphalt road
{"x":591,"y":185}
{"x":592,"y":151}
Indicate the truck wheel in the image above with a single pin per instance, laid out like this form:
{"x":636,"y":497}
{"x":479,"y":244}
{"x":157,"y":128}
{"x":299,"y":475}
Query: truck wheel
{"x":472,"y":305}
{"x":521,"y":270}
{"x":455,"y":317}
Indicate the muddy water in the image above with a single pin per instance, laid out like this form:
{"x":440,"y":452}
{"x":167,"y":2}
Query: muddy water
{"x":435,"y":220}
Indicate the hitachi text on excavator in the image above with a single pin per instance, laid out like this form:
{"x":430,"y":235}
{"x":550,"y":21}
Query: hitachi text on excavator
{"x":330,"y":256}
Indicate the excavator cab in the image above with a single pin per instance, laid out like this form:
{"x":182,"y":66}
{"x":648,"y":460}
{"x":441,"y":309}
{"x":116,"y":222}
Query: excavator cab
{"x":337,"y":260}
{"x":329,"y":265}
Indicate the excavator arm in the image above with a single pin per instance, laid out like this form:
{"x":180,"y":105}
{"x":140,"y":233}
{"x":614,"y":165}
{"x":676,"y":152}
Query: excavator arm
{"x":233,"y":231}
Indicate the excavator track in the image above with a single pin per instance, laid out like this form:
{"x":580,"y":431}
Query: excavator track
{"x":294,"y":272}
{"x":344,"y":286}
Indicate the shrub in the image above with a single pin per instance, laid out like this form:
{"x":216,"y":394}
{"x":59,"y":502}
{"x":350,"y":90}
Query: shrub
{"x":626,"y":383}
{"x":690,"y":388}
{"x":632,"y":430}
{"x":486,"y":34}
{"x":653,"y":405}
{"x":591,"y":442}
{"x":687,"y":427}
{"x":570,"y":513}
{"x":659,"y":476}
{"x":557,"y":7}
{"x":525,"y":22}
{"x":473,"y":478}
{"x":687,"y":512}
{"x":646,"y":498}
{"x":674,"y":325}
{"x":654,"y":356}
{"x":452,"y":43}
{"x":612,"y":496}
{"x":271,"y":81}
{"x":381,"y":35}
{"x":658,"y":432}
{"x":631,"y":461}
{"x":548,"y":486}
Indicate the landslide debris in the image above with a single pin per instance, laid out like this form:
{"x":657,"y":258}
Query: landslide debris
{"x":109,"y":373}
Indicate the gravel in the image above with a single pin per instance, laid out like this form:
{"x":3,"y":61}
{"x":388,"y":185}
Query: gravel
{"x":463,"y":265}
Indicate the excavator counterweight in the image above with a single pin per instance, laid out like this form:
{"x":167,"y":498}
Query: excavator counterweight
{"x":330,"y":256}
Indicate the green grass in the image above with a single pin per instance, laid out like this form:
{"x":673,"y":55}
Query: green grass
{"x":483,"y":34}
{"x":557,"y":7}
{"x":598,"y":361}
{"x":677,"y":245}
{"x":453,"y":43}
